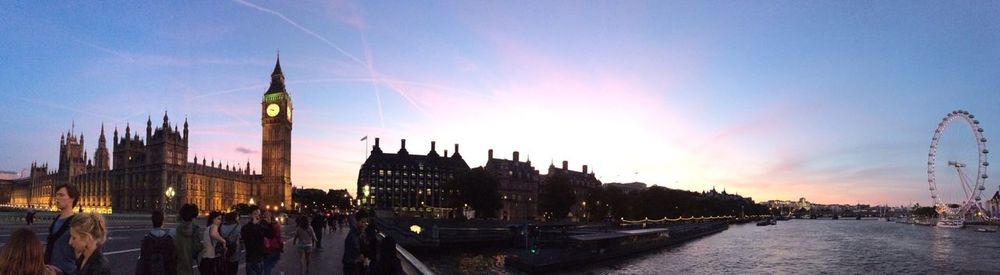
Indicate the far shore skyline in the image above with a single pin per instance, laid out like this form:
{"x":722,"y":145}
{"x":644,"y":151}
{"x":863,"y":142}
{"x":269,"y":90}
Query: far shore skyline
{"x":832,"y":101}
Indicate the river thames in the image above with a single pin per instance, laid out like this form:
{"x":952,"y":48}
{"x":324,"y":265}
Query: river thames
{"x":791,"y":247}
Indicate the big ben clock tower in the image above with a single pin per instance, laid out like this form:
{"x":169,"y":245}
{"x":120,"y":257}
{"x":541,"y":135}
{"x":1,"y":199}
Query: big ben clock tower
{"x":276,"y":121}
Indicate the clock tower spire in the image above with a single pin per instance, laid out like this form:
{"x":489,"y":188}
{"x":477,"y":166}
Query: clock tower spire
{"x":276,"y":156}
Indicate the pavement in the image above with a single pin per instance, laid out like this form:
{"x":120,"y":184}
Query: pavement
{"x":122,"y":247}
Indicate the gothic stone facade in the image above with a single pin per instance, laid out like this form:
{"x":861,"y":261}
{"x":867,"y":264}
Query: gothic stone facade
{"x":143,"y":169}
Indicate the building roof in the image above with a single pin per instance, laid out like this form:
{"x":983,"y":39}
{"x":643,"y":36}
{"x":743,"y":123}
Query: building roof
{"x":277,"y":79}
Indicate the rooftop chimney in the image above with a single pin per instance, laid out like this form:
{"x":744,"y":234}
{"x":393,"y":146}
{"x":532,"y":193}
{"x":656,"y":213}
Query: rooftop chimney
{"x":433,"y":145}
{"x":376,"y":142}
{"x":584,"y":168}
{"x":402,"y":147}
{"x":565,"y":165}
{"x":446,"y":153}
{"x":490,"y":154}
{"x":515,"y":156}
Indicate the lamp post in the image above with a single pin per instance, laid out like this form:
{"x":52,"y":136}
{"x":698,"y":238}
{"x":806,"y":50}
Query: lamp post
{"x":170,"y":196}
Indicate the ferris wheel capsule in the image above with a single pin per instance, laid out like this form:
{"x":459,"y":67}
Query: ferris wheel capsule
{"x":986,"y":163}
{"x":972,"y":116}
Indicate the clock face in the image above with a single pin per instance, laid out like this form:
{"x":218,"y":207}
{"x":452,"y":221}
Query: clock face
{"x":273,"y":109}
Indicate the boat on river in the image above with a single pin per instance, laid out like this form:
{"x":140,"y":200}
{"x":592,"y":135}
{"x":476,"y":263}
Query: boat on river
{"x":948,"y":223}
{"x":583,"y":249}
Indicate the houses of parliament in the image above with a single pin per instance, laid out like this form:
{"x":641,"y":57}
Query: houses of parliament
{"x":141,"y":173}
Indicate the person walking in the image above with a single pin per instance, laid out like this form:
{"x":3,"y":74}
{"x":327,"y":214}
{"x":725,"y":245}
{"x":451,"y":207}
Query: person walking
{"x":331,"y":223}
{"x":273,"y":246}
{"x":87,"y":234}
{"x":187,"y":239}
{"x":58,"y":252}
{"x":253,"y":234}
{"x":353,"y":260}
{"x":157,"y":254}
{"x":317,"y":226}
{"x":24,"y":254}
{"x":230,"y":230}
{"x":304,"y":239}
{"x":214,"y":246}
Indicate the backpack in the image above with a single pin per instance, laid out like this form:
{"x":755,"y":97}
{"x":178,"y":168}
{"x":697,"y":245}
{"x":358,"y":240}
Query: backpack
{"x":232,"y":243}
{"x":154,"y":259}
{"x":197,"y":242}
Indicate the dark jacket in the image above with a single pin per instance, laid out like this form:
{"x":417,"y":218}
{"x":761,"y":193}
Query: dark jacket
{"x":185,"y":247}
{"x":58,"y":252}
{"x":96,"y":265}
{"x":352,"y":247}
{"x":157,"y":248}
{"x":253,"y":235}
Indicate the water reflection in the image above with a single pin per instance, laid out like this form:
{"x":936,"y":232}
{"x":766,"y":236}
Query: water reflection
{"x":796,"y":247}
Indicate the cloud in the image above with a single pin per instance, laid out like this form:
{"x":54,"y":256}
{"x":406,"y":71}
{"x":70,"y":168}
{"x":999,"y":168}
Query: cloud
{"x":245,"y":150}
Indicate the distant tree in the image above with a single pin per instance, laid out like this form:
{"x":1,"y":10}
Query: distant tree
{"x":557,"y":197}
{"x":338,"y":199}
{"x":927,"y":212}
{"x":310,"y":199}
{"x":602,"y":203}
{"x":480,"y":190}
{"x":242,"y":208}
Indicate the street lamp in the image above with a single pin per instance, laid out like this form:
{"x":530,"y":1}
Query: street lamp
{"x":251,"y":201}
{"x":170,"y":194}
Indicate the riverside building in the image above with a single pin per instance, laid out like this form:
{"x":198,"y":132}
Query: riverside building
{"x":410,"y":185}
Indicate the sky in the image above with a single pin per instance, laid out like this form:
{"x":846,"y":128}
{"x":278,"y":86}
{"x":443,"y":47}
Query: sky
{"x":834,"y":101}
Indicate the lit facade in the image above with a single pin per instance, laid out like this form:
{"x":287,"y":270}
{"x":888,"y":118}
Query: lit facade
{"x":136,"y":177}
{"x":408,"y":184}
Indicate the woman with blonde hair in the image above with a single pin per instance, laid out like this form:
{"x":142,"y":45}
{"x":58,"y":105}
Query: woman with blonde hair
{"x":87,"y":233}
{"x":24,"y":254}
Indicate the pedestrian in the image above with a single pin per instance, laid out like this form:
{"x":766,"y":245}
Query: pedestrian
{"x":87,"y":234}
{"x":213,"y":246}
{"x":304,"y":239}
{"x":58,"y":252}
{"x":273,"y":246}
{"x":353,"y":260}
{"x":317,"y":226}
{"x":387,"y":263}
{"x":230,"y":230}
{"x":24,"y":254}
{"x":187,"y":239}
{"x":253,"y":234}
{"x":157,"y":254}
{"x":331,"y":222}
{"x":29,"y":218}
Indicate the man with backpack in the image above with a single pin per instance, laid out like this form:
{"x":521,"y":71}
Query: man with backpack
{"x":187,"y":240}
{"x":230,"y":230}
{"x":157,"y":255}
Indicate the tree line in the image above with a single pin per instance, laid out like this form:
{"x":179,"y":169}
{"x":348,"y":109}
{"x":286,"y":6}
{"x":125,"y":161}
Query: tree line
{"x":479,"y":190}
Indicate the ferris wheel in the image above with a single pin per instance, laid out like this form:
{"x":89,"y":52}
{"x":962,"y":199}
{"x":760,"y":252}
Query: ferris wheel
{"x":972,"y":187}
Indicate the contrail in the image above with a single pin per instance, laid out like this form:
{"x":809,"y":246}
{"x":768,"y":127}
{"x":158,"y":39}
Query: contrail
{"x":103,"y":49}
{"x":371,"y":73}
{"x":304,"y":29}
{"x":377,"y":77}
